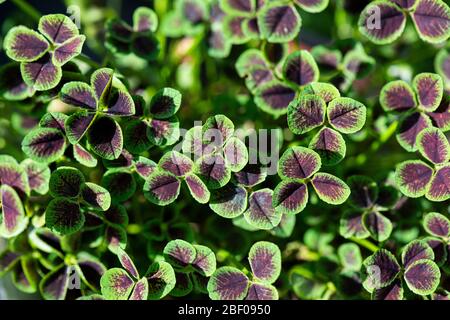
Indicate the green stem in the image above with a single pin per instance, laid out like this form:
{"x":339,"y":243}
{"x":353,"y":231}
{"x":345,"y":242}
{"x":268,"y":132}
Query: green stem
{"x":366,"y":244}
{"x":28,"y":9}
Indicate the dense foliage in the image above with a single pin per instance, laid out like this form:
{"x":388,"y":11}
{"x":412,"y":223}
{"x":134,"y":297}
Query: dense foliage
{"x":230,"y":149}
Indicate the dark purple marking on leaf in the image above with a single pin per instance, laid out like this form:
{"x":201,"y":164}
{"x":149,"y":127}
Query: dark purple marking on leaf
{"x":119,"y":30}
{"x":145,"y":19}
{"x":116,"y":284}
{"x":416,"y":250}
{"x":38,"y":175}
{"x":217,"y":129}
{"x":183,"y":285}
{"x":382,"y":22}
{"x":441,"y":116}
{"x":258,"y":76}
{"x":413,"y":177}
{"x":179,"y":253}
{"x":351,"y":225}
{"x":251,"y":175}
{"x":405,"y":4}
{"x":394,"y":291}
{"x":243,"y":6}
{"x":330,"y":145}
{"x":290,"y":197}
{"x":249,"y":59}
{"x":274,"y":97}
{"x":235,"y":29}
{"x":205,"y":260}
{"x":409,"y":129}
{"x":397,"y":96}
{"x":379,"y":227}
{"x":437,"y":224}
{"x":7,"y":260}
{"x":192,"y":11}
{"x":57,"y":27}
{"x":381,"y":269}
{"x":300,"y":68}
{"x":120,"y":183}
{"x":77,"y":125}
{"x":219,"y":46}
{"x":260,"y":212}
{"x":161,"y":279}
{"x":116,"y":237}
{"x":229,"y":202}
{"x":213,"y":171}
{"x":145,"y":167}
{"x":161,"y":188}
{"x":79,"y":94}
{"x":346,"y":115}
{"x":228,"y":283}
{"x":423,"y":277}
{"x":439,"y":189}
{"x":434,"y":146}
{"x":327,"y":60}
{"x":165,"y":103}
{"x":429,"y":88}
{"x":105,"y":138}
{"x":117,"y":214}
{"x":140,"y":290}
{"x":101,"y":81}
{"x":252,"y":26}
{"x":176,"y":163}
{"x":298,"y":163}
{"x":54,"y":285}
{"x":93,"y":220}
{"x":83,"y":156}
{"x":439,"y":249}
{"x":306,"y":113}
{"x":41,"y":74}
{"x":44,"y":144}
{"x":68,"y":50}
{"x":163,"y":132}
{"x":444,"y":296}
{"x":91,"y":269}
{"x":432,"y":20}
{"x":197,"y":188}
{"x":54,"y":120}
{"x":330,"y":189}
{"x":96,"y":196}
{"x":145,"y":45}
{"x":13,"y":214}
{"x":12,"y":86}
{"x":364,"y":191}
{"x":120,"y":104}
{"x":388,"y":197}
{"x":279,"y":22}
{"x":260,"y":291}
{"x":265,"y":261}
{"x":23,"y":44}
{"x":24,"y":275}
{"x":13,"y":175}
{"x":235,"y":153}
{"x":127,"y":263}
